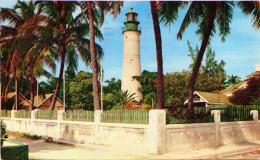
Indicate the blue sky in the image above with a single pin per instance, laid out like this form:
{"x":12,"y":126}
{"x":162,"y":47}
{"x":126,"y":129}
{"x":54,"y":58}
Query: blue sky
{"x":240,"y":51}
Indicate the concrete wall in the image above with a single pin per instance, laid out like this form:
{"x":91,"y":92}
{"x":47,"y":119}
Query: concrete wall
{"x":157,"y":137}
{"x":130,"y":136}
{"x":206,"y":135}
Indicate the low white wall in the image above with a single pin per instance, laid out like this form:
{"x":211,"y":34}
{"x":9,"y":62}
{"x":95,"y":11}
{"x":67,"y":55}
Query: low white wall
{"x":130,"y":136}
{"x":157,"y":137}
{"x":206,"y":135}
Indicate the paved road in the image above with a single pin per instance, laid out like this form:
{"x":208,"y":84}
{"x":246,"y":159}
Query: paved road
{"x":39,"y":149}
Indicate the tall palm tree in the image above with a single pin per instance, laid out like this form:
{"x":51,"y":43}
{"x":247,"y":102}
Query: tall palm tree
{"x":208,"y":16}
{"x":94,"y":9}
{"x":24,"y":59}
{"x":166,"y":12}
{"x":67,"y":32}
{"x":12,"y":45}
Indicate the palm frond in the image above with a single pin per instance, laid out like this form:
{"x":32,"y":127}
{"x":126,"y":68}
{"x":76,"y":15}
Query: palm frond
{"x":224,"y":18}
{"x":192,"y":15}
{"x":251,"y":8}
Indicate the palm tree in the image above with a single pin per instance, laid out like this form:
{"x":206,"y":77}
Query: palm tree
{"x":58,"y":26}
{"x":208,"y":15}
{"x":123,"y":97}
{"x":12,"y":44}
{"x":231,"y":80}
{"x":92,"y":10}
{"x":167,"y":12}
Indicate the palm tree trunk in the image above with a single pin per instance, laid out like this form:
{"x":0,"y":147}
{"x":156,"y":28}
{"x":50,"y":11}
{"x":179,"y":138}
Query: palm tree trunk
{"x":205,"y":41}
{"x":32,"y":92}
{"x":93,"y":58}
{"x":55,"y":96}
{"x":158,"y":42}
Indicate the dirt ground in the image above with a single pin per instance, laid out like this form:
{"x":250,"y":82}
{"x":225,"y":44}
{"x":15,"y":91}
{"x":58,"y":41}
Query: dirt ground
{"x":39,"y":149}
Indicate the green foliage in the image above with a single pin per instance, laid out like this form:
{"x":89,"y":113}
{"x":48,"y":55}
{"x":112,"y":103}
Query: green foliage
{"x":235,"y":112}
{"x":257,"y":101}
{"x":3,"y":133}
{"x":117,"y":99}
{"x":176,"y":86}
{"x":80,"y":91}
{"x":180,"y":115}
{"x":231,"y":80}
{"x":112,"y":85}
{"x":109,"y":97}
{"x":17,"y":152}
{"x":211,"y":67}
{"x":148,"y":82}
{"x":27,"y":135}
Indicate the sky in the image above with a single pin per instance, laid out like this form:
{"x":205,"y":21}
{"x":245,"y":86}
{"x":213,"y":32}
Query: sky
{"x":240,"y":51}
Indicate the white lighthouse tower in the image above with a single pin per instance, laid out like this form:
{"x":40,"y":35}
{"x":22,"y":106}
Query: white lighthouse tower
{"x":131,"y":62}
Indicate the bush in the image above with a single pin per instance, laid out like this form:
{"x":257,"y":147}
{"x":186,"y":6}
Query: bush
{"x":27,"y":135}
{"x":3,"y":133}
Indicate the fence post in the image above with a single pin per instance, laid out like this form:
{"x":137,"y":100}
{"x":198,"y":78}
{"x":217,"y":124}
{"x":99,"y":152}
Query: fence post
{"x":60,"y":119}
{"x":33,"y":117}
{"x":97,"y":120}
{"x":217,"y":116}
{"x":13,"y":114}
{"x":97,"y":116}
{"x":217,"y":120}
{"x":60,"y":115}
{"x":254,"y":113}
{"x":157,"y":131}
{"x":12,"y":120}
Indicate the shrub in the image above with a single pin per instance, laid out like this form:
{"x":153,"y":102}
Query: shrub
{"x":3,"y":133}
{"x":249,"y":94}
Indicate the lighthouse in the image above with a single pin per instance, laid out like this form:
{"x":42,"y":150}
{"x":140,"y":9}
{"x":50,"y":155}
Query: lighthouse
{"x":131,"y":62}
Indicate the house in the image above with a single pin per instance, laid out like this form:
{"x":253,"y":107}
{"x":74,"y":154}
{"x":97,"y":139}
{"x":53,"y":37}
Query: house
{"x":220,"y":98}
{"x":23,"y":103}
{"x":207,"y":98}
{"x":45,"y":102}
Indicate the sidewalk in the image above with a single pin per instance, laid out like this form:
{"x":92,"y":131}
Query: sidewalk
{"x":39,"y":149}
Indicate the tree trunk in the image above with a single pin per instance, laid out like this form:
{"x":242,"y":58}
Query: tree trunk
{"x":93,"y":58}
{"x":205,"y":41}
{"x":32,"y":92}
{"x":158,"y":42}
{"x":55,"y":96}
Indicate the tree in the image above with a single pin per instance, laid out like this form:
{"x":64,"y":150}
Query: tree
{"x":80,"y":91}
{"x":91,"y":9}
{"x":66,"y":31}
{"x":176,"y":86}
{"x":167,"y":13}
{"x":231,"y":80}
{"x":24,"y":58}
{"x":211,"y":67}
{"x":148,"y":80}
{"x":207,"y":15}
{"x":247,"y":95}
{"x":112,"y":85}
